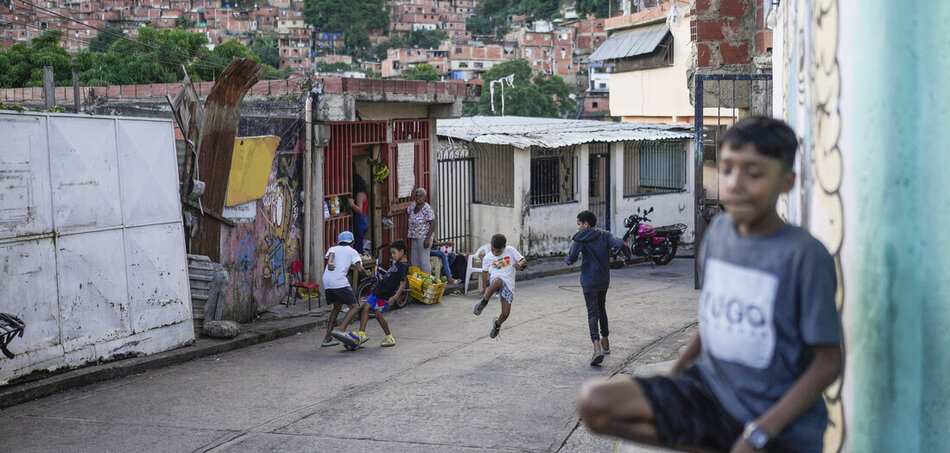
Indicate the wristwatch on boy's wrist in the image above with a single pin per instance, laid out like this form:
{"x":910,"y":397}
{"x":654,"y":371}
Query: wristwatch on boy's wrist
{"x":755,"y":436}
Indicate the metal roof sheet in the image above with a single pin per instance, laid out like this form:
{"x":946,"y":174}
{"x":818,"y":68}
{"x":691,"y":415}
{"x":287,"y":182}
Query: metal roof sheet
{"x":630,"y":43}
{"x":523,"y":132}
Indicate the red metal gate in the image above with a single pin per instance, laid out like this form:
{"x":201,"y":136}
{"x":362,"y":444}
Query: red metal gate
{"x":394,"y":207}
{"x":338,"y":172}
{"x":338,"y":169}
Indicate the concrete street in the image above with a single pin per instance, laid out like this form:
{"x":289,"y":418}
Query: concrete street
{"x":444,"y":387}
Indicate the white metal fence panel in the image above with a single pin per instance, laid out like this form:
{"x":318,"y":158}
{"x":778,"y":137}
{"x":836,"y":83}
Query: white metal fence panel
{"x":22,"y":210}
{"x":143,"y":173}
{"x":91,"y":242}
{"x":84,"y":174}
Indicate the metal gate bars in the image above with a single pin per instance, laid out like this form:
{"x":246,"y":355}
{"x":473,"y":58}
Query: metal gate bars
{"x":750,"y":93}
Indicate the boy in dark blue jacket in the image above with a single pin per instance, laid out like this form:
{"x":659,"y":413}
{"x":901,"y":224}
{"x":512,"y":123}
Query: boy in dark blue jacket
{"x":595,"y":244}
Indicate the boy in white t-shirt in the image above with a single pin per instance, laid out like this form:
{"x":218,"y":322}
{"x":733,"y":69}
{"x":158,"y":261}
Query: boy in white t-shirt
{"x":498,"y":276}
{"x":335,"y":283}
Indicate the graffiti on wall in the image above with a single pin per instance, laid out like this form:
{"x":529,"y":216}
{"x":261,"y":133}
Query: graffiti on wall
{"x":262,"y":246}
{"x":281,"y":210}
{"x":811,"y":30}
{"x":245,"y":259}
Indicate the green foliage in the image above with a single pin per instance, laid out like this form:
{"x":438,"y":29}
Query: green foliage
{"x":265,"y":47}
{"x":416,"y":39}
{"x":103,"y":41}
{"x":542,"y":9}
{"x":22,"y":64}
{"x":351,"y":18}
{"x":487,"y":25}
{"x":124,"y":62}
{"x":542,"y":96}
{"x":600,"y":8}
{"x":323,"y":66}
{"x":423,"y":71}
{"x":221,"y":57}
{"x":185,"y":23}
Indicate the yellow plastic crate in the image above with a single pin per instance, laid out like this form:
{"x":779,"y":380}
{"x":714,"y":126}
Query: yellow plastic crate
{"x":425,"y":293}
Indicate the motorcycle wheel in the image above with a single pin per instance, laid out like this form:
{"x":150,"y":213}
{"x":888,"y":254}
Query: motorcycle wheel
{"x":664,"y":259}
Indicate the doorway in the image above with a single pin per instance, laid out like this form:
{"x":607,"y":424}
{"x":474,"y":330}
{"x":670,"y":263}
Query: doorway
{"x":599,"y":190}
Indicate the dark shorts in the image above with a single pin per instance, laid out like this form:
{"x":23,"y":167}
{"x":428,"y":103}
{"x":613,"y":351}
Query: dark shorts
{"x":686,"y":413}
{"x":341,"y":295}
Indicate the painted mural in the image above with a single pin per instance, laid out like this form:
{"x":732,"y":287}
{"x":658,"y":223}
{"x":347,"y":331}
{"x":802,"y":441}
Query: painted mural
{"x":267,"y":237}
{"x":811,"y":98}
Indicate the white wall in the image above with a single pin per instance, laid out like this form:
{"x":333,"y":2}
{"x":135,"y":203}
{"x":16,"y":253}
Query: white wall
{"x":488,"y":220}
{"x":669,"y":208}
{"x":660,"y":92}
{"x":91,"y":241}
{"x":548,"y":229}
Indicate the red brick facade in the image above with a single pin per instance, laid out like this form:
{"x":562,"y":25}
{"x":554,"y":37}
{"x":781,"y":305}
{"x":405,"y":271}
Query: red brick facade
{"x":729,"y":33}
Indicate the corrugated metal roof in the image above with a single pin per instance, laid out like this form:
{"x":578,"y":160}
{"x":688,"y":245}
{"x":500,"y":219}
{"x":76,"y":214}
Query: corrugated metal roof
{"x":630,"y":43}
{"x":523,"y":132}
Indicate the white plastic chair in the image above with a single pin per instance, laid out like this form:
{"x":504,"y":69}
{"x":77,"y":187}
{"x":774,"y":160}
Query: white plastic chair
{"x":470,"y":268}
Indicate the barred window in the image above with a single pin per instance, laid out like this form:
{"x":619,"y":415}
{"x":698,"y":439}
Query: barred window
{"x":494,"y":174}
{"x":552,"y":175}
{"x":654,"y":166}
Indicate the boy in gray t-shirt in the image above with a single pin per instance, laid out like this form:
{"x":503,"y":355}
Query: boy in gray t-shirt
{"x":769,"y":334}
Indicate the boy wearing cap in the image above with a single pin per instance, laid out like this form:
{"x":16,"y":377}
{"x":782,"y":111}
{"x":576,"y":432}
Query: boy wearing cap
{"x":336,"y":285}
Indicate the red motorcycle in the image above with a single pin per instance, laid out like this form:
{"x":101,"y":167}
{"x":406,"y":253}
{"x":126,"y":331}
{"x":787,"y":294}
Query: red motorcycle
{"x":655,"y":244}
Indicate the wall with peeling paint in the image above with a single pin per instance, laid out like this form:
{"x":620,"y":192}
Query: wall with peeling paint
{"x":91,"y":240}
{"x":872,"y":187}
{"x":268,"y":237}
{"x":548,"y":229}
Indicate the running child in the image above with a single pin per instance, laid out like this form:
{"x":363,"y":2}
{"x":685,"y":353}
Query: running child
{"x":769,"y":339}
{"x":595,"y":244}
{"x":336,"y":286}
{"x":498,"y":276}
{"x":389,"y":287}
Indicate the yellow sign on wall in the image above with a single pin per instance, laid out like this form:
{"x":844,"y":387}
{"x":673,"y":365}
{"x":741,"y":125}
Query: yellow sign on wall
{"x":250,"y":168}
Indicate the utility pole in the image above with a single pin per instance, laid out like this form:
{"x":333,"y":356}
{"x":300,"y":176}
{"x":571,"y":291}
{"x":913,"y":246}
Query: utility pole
{"x":49,"y":87}
{"x":76,"y":101}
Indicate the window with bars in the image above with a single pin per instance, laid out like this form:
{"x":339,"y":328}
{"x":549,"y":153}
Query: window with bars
{"x":552,"y":175}
{"x":654,"y":166}
{"x":494,"y":174}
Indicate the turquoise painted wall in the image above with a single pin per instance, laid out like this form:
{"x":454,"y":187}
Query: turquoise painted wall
{"x":899,"y":298}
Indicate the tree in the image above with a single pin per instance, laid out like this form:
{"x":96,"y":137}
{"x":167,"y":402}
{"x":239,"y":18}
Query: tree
{"x":544,"y":96}
{"x":426,"y":39}
{"x":221,"y":57}
{"x":104,"y":40}
{"x":22,"y":64}
{"x":185,"y":22}
{"x":600,"y":8}
{"x":341,"y":15}
{"x":265,"y":47}
{"x":424,"y":71}
{"x":542,"y":9}
{"x":323,"y":66}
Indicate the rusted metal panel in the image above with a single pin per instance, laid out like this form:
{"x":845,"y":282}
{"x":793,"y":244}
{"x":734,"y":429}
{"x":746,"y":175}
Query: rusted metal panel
{"x":218,"y":129}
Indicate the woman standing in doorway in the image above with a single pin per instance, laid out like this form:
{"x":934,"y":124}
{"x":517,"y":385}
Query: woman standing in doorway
{"x":421,"y":229}
{"x":358,"y":203}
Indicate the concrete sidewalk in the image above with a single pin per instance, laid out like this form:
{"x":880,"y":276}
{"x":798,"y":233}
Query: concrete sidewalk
{"x":278,"y":322}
